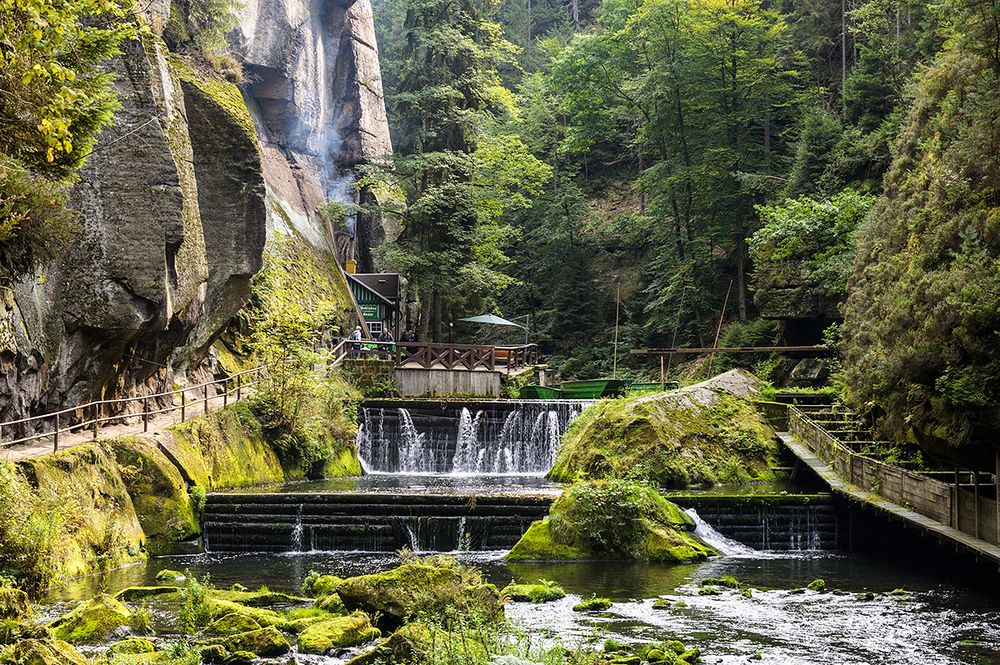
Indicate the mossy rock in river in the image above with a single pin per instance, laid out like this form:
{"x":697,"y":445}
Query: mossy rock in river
{"x":265,"y":642}
{"x":132,"y":646}
{"x":233,"y":623}
{"x":706,"y":433}
{"x":612,"y":520}
{"x":414,"y":642}
{"x":221,"y":607}
{"x":92,"y":621}
{"x":43,"y":652}
{"x":13,"y":603}
{"x":430,"y":585}
{"x":533,"y":593}
{"x":337,"y":633}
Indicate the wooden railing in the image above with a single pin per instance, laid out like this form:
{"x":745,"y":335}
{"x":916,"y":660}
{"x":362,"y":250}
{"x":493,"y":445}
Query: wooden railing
{"x":94,"y":415}
{"x":948,"y":504}
{"x":430,"y":355}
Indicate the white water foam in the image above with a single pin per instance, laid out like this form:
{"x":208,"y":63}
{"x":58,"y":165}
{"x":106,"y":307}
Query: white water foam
{"x":726,"y":546}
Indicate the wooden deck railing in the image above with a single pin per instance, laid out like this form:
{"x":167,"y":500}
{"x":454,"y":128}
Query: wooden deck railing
{"x":99,"y":413}
{"x":431,"y":355}
{"x":949,"y":504}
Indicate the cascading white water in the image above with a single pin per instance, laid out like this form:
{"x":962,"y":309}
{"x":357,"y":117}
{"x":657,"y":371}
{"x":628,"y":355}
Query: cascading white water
{"x":710,"y":536}
{"x":509,"y":438}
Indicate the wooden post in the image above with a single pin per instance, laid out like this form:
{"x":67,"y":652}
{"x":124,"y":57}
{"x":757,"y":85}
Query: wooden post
{"x":958,"y":503}
{"x":239,"y":383}
{"x":94,"y":425}
{"x":55,"y":435}
{"x":206,"y":399}
{"x":145,"y":414}
{"x":976,"y":503}
{"x":183,"y":404}
{"x":225,"y":392}
{"x":663,"y":374}
{"x":996,"y":493}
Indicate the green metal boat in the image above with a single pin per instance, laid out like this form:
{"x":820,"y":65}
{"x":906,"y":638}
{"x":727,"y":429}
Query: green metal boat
{"x":593,"y":389}
{"x":535,"y":391}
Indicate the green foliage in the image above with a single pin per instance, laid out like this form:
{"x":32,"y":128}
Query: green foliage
{"x":609,"y":515}
{"x":199,"y":27}
{"x":198,"y":498}
{"x":196,"y":609}
{"x":55,"y":96}
{"x":27,"y":528}
{"x":808,"y":241}
{"x":921,"y":318}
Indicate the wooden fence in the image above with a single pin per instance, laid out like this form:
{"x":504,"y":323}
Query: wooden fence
{"x":949,"y":504}
{"x":430,"y":355}
{"x":97,"y":414}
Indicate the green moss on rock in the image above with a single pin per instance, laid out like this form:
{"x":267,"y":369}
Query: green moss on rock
{"x":87,"y":504}
{"x":92,"y":621}
{"x":533,"y":593}
{"x":706,"y":433}
{"x":167,"y":575}
{"x":265,"y":642}
{"x":232,"y":623}
{"x":592,"y":605}
{"x":225,"y":449}
{"x":158,"y":491}
{"x":13,"y":603}
{"x":337,"y":633}
{"x":221,"y":607}
{"x":220,"y":92}
{"x":44,"y":652}
{"x":612,"y":520}
{"x":416,"y":642}
{"x":132,"y":646}
{"x":424,"y":586}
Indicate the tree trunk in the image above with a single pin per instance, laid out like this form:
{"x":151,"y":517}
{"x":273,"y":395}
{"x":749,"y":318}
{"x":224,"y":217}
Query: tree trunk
{"x":438,"y":315}
{"x":741,"y":259}
{"x":575,"y":9}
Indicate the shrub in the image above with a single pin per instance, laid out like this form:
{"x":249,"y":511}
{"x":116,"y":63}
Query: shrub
{"x":196,"y":612}
{"x":26,"y":531}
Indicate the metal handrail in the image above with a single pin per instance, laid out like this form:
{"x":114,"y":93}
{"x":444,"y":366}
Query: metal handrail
{"x":96,"y":406}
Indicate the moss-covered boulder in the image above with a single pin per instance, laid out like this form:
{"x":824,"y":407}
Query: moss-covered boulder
{"x":167,"y":575}
{"x":240,"y":658}
{"x":220,"y":607}
{"x":81,"y":496}
{"x":705,"y":433}
{"x":414,"y":642}
{"x":612,"y":520}
{"x":92,"y":621}
{"x":265,"y":642}
{"x":136,"y":593}
{"x":225,"y":449}
{"x":533,"y":593}
{"x":337,"y":633}
{"x":44,"y":652}
{"x":13,"y":603}
{"x":158,"y":492}
{"x":315,"y":585}
{"x":593,"y":605}
{"x":428,"y":585}
{"x":131,"y":646}
{"x":232,"y":623}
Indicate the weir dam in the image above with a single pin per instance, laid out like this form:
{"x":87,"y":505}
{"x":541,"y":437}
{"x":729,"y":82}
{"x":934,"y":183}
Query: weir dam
{"x":444,"y":476}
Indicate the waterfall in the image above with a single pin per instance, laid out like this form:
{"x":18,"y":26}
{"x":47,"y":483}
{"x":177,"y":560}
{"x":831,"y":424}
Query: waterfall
{"x":515,"y":437}
{"x":297,"y":532}
{"x":710,"y":536}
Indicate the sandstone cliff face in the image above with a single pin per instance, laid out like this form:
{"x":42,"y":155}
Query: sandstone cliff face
{"x":180,"y":194}
{"x":316,"y":93}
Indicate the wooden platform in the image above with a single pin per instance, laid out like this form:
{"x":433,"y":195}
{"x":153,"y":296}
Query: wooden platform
{"x":975,"y":546}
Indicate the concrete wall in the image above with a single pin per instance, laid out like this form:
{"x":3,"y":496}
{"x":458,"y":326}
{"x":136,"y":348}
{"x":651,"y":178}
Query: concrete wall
{"x":417,"y":382}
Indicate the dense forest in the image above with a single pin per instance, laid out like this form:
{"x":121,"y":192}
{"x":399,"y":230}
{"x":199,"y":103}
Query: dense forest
{"x":666,"y":173}
{"x":773,"y":167}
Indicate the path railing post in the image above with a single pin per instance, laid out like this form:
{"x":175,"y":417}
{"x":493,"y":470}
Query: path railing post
{"x":55,"y":435}
{"x":225,"y":392}
{"x":975,"y":504}
{"x":206,"y":399}
{"x":145,"y":414}
{"x":95,"y":412}
{"x":958,"y":502}
{"x":183,"y":404}
{"x":239,"y":382}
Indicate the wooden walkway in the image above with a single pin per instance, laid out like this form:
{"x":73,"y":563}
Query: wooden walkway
{"x":943,"y":532}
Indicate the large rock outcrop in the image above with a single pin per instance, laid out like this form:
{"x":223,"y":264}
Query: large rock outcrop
{"x":316,"y":92}
{"x":180,"y":195}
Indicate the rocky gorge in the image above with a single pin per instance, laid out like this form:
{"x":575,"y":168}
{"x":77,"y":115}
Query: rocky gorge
{"x":189,"y":188}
